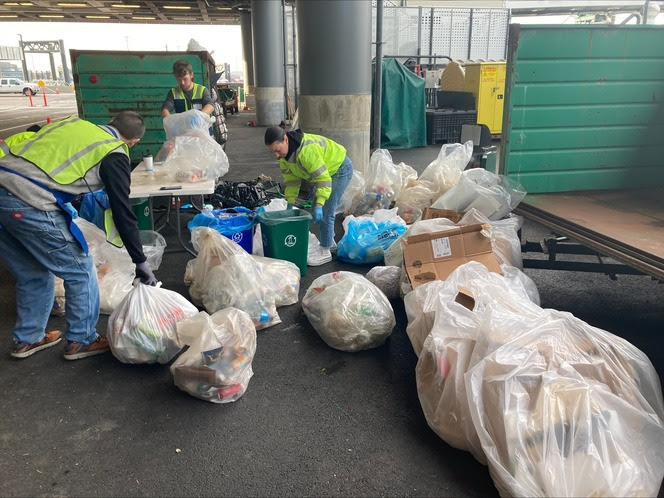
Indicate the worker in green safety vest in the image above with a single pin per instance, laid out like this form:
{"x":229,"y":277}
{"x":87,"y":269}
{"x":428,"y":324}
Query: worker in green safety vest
{"x":321,"y":161}
{"x":38,"y":238}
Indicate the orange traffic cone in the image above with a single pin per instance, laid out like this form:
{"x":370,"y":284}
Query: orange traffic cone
{"x":48,"y":120}
{"x":57,"y":92}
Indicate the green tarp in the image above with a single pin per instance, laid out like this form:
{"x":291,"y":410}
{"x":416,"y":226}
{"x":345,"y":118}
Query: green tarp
{"x":403,"y":110}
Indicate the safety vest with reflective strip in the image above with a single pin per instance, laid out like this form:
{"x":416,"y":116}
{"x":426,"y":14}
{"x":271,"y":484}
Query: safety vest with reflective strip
{"x":66,"y":150}
{"x":315,"y":160}
{"x":182,"y":104}
{"x":14,"y":139}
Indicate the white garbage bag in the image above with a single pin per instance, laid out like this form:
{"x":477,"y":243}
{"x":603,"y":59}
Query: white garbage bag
{"x":348,"y":312}
{"x":143,"y":328}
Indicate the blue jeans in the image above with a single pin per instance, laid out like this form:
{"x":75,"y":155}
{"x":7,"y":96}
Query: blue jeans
{"x":35,"y":245}
{"x":340,"y":181}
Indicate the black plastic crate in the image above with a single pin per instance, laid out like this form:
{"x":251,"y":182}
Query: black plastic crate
{"x":444,"y":125}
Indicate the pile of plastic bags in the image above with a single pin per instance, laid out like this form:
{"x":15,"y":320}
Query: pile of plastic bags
{"x":217,"y":365}
{"x":348,"y":312}
{"x":554,"y":406}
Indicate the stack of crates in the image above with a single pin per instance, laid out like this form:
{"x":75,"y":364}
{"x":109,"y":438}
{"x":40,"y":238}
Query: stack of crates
{"x":444,"y":125}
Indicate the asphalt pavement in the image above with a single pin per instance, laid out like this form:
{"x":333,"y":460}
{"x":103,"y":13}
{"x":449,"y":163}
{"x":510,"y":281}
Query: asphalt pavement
{"x":314,"y":421}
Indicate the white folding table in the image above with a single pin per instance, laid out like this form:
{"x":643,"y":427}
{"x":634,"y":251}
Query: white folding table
{"x":155,"y":184}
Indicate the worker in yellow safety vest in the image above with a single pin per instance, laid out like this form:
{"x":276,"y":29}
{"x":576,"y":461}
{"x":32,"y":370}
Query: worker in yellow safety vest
{"x":39,"y":239}
{"x":187,"y":95}
{"x":321,"y":161}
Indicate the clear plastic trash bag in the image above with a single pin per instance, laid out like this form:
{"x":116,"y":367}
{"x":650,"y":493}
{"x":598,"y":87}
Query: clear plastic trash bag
{"x":562,"y":408}
{"x":354,"y":190}
{"x":143,"y":328}
{"x":493,"y":195}
{"x":217,"y":365}
{"x":445,"y":350}
{"x":239,"y":283}
{"x":282,"y":277}
{"x":348,"y":312}
{"x":445,"y":171}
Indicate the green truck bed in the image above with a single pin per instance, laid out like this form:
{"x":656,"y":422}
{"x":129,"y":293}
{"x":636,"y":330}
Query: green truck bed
{"x":107,"y":82}
{"x":583,"y":131}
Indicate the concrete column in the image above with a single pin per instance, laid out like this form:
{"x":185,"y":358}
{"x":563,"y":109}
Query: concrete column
{"x":247,"y":52}
{"x":268,"y":43}
{"x":334,"y":46}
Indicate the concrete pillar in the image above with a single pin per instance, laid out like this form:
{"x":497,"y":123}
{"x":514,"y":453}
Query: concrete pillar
{"x":334,"y":46}
{"x":268,"y":42}
{"x":247,"y":52}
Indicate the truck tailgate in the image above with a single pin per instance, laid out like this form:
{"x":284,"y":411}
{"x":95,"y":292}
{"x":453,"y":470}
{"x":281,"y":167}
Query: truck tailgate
{"x":627,"y":225}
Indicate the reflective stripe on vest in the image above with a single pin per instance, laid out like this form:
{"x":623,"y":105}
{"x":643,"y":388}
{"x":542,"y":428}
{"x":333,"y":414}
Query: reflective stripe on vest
{"x":66,"y":150}
{"x":179,"y":95}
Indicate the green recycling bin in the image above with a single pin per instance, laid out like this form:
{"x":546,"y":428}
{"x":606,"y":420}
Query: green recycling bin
{"x":141,"y":208}
{"x":286,"y":235}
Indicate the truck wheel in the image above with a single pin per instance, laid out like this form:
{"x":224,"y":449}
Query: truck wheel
{"x":27,"y":91}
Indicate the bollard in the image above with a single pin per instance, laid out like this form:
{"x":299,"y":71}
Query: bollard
{"x":44,"y":94}
{"x":30,"y":98}
{"x":57,"y":92}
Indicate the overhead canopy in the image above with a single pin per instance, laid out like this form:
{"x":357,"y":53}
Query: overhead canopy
{"x":126,"y":11}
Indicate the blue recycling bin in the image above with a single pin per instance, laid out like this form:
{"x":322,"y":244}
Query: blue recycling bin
{"x":235,"y":223}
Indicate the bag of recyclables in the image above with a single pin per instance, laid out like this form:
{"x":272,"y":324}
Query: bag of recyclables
{"x":348,"y":312}
{"x":143,"y":328}
{"x":217,"y":365}
{"x":367,"y":237}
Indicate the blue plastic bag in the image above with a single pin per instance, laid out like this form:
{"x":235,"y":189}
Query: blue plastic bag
{"x":365,"y":241}
{"x":90,"y":207}
{"x":235,"y":223}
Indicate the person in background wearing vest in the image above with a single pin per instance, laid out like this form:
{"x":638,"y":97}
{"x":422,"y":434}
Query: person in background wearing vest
{"x":38,"y":238}
{"x":320,"y":161}
{"x":187,"y":95}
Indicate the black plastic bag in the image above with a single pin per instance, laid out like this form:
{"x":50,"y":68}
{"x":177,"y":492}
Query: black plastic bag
{"x":232,"y":194}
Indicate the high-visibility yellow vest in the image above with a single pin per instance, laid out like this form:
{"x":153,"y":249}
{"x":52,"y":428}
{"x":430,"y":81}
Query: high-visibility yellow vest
{"x":66,"y":150}
{"x":315,"y":160}
{"x":14,"y":139}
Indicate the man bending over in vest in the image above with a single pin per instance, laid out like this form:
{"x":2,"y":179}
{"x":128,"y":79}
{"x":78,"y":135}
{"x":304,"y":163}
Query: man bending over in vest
{"x":187,"y":95}
{"x":38,"y":238}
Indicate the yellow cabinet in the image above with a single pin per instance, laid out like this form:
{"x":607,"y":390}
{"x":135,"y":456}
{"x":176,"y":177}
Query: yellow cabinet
{"x":486,"y":81}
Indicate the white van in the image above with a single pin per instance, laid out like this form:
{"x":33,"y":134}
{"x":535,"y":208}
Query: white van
{"x":15,"y":85}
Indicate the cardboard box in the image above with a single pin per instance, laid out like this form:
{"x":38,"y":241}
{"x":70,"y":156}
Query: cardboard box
{"x":433,"y":256}
{"x":432,"y":213}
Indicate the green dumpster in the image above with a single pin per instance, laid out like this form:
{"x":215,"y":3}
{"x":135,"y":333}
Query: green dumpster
{"x":141,"y":208}
{"x":286,"y":236}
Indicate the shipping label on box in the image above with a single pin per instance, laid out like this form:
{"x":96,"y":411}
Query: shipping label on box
{"x":430,"y":213}
{"x":433,"y":256}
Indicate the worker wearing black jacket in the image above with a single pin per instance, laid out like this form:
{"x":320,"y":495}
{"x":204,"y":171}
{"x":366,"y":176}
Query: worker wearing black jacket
{"x":38,"y":239}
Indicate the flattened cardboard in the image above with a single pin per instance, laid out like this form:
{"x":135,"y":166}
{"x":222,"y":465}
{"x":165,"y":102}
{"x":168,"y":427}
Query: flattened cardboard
{"x":433,"y":256}
{"x":430,"y":213}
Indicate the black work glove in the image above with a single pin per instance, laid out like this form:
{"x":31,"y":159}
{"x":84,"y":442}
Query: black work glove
{"x":144,"y":272}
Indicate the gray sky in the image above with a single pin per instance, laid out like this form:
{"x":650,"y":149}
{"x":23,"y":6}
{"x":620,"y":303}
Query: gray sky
{"x":223,"y":41}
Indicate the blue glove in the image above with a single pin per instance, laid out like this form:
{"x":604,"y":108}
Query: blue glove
{"x":318,"y":213}
{"x":290,"y":206}
{"x":71,"y":210}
